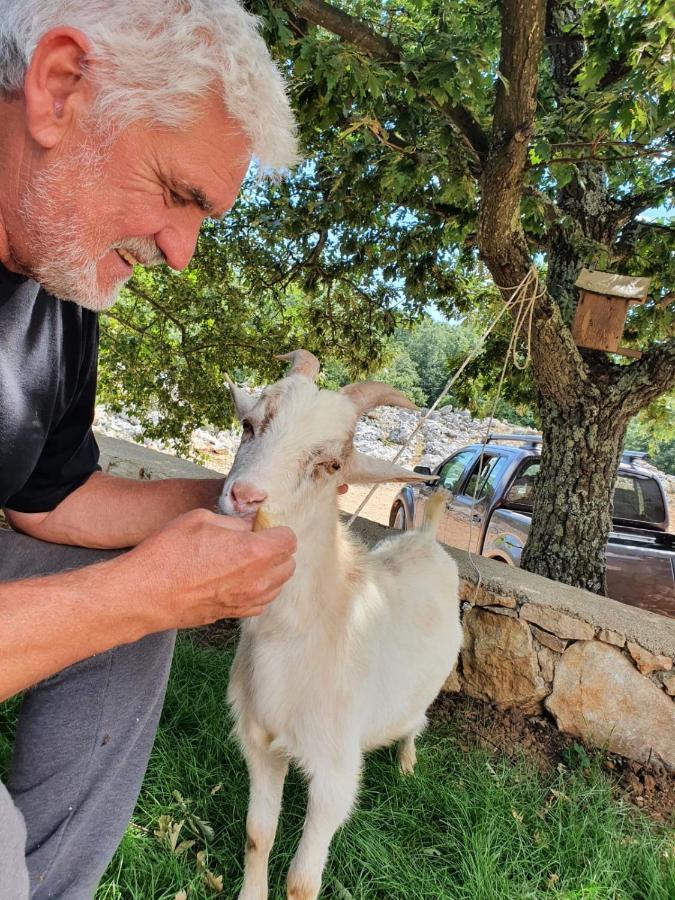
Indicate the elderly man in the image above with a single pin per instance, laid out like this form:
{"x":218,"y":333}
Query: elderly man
{"x":122,"y":126}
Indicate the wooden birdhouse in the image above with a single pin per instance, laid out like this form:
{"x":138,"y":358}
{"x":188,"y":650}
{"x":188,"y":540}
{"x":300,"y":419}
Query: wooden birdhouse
{"x":602,"y":309}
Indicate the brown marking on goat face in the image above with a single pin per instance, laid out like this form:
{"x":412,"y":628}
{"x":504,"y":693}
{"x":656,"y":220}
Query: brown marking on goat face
{"x":272,"y":403}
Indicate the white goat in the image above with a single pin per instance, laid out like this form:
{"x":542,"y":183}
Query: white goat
{"x":358,"y":643}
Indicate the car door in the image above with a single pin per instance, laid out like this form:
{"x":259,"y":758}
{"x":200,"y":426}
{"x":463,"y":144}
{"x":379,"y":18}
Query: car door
{"x":462,"y":522}
{"x":450,"y":475}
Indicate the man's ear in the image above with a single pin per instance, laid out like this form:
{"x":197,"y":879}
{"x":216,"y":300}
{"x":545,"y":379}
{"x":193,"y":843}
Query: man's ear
{"x":56,"y":87}
{"x":364,"y":469}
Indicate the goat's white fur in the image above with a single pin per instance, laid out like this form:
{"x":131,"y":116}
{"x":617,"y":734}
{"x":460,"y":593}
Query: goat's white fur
{"x":354,"y":649}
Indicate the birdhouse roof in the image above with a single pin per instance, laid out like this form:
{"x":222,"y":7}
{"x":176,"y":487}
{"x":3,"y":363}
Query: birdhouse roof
{"x":629,"y":287}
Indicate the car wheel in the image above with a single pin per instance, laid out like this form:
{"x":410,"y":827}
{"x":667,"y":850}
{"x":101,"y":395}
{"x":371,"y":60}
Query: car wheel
{"x":399,"y":518}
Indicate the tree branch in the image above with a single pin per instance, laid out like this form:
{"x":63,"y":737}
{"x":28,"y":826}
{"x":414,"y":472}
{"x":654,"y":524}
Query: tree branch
{"x":598,"y":160}
{"x":558,"y":365}
{"x":648,"y":378}
{"x":633,"y":232}
{"x":634,"y":204}
{"x":358,"y":33}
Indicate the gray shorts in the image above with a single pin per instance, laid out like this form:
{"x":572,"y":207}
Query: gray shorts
{"x":81,"y":748}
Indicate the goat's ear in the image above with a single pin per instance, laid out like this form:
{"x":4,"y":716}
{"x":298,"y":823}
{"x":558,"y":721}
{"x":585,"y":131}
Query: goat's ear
{"x":243,"y":401}
{"x":364,"y":469}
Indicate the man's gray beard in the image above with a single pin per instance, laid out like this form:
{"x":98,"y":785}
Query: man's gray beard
{"x":57,"y":238}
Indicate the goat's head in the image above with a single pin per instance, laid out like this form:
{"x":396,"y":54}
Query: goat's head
{"x":297,"y":441}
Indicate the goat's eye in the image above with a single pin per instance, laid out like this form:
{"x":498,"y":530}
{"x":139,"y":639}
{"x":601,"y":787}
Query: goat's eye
{"x":247,"y":428}
{"x":335,"y":466}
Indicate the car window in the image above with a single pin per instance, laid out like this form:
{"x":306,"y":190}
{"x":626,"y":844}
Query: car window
{"x":638,"y":499}
{"x":521,"y":492}
{"x":451,"y":472}
{"x":483,"y":477}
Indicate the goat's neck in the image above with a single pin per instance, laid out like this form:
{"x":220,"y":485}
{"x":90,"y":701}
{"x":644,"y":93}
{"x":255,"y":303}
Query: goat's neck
{"x":321,"y":539}
{"x":323,"y":561}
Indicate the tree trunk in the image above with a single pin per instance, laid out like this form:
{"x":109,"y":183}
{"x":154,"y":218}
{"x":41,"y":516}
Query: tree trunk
{"x":582,"y":444}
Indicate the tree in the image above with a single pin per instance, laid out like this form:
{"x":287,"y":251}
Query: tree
{"x":443,"y":132}
{"x":446,"y":139}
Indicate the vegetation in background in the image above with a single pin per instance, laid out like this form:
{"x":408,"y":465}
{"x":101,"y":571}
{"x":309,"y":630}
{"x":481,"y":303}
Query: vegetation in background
{"x":438,"y":135}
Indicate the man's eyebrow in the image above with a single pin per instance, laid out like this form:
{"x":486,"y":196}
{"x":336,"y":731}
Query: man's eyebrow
{"x":195,"y":194}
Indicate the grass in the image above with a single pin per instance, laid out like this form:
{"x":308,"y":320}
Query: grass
{"x":466,"y":826}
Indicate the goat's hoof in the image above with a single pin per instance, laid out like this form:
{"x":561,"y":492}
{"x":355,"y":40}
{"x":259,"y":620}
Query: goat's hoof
{"x":249,"y":893}
{"x":407,"y":766}
{"x":298,"y":891}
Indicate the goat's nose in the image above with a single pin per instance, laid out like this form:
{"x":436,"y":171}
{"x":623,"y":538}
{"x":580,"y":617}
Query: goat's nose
{"x":246,"y":497}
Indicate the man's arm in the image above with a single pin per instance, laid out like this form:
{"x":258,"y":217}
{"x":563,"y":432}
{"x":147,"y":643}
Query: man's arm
{"x":108,"y":513}
{"x":200,"y":568}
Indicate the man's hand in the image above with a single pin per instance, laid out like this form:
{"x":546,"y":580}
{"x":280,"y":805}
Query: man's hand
{"x":198,"y":568}
{"x":203,"y":567}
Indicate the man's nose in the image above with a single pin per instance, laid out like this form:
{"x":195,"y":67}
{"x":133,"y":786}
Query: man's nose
{"x":178,"y":242}
{"x":246,"y":497}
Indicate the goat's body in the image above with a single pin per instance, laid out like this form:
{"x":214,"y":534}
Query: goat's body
{"x":344,"y":661}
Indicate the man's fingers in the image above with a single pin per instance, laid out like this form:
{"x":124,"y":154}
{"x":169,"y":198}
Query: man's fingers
{"x":278,"y":542}
{"x":233,"y":523}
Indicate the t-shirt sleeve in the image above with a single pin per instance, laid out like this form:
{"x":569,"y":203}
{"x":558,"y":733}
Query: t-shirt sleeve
{"x":70,"y":455}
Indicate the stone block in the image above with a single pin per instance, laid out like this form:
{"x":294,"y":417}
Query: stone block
{"x":612,"y":637}
{"x":480,"y":596}
{"x":499,"y":662}
{"x":558,"y":623}
{"x":600,"y":697}
{"x":669,"y":685}
{"x":648,"y":662}
{"x":501,"y":611}
{"x":549,"y":640}
{"x":547,"y":660}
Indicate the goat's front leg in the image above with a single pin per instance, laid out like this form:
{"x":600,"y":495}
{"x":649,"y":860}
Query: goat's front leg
{"x":332,"y":792}
{"x":267,"y":772}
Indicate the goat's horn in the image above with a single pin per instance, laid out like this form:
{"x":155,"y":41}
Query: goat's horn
{"x":303,"y":363}
{"x":369,"y":394}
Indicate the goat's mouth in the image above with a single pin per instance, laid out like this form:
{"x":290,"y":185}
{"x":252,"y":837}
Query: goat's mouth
{"x":225,"y":506}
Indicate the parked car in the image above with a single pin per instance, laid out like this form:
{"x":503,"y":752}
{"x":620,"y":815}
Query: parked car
{"x":640,"y":551}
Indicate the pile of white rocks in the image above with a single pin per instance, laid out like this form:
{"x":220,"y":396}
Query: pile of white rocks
{"x":380,"y":433}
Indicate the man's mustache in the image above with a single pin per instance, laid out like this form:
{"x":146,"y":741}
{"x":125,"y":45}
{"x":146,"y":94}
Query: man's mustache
{"x":144,"y":250}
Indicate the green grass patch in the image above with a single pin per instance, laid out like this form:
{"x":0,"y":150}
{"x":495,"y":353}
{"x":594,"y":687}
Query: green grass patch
{"x":466,"y":826}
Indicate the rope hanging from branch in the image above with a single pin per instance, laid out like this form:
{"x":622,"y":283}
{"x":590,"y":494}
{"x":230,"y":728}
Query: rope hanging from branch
{"x":521,"y":303}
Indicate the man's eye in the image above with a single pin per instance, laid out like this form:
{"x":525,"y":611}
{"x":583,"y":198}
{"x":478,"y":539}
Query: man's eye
{"x":177,"y":200}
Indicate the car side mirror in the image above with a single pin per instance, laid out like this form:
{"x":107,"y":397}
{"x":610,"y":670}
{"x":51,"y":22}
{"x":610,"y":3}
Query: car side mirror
{"x":422,"y":470}
{"x":425,"y":470}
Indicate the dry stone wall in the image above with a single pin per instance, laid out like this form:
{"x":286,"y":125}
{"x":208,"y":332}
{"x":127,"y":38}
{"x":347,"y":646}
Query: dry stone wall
{"x":602,"y":669}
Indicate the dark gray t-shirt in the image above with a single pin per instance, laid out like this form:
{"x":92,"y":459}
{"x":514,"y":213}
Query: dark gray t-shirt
{"x":48,"y":355}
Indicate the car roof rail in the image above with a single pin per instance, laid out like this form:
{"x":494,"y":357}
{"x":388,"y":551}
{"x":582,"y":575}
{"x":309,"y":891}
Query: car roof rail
{"x":633,"y":455}
{"x":534,"y":440}
{"x":530,"y":440}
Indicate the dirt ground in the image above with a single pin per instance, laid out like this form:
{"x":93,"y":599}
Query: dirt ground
{"x":379,"y":505}
{"x":478,"y":724}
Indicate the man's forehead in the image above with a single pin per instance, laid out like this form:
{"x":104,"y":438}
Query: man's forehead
{"x":206,"y":162}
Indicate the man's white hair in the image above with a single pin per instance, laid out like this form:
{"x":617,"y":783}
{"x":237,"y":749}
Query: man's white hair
{"x":153,"y":61}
